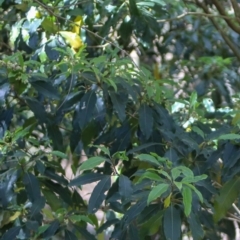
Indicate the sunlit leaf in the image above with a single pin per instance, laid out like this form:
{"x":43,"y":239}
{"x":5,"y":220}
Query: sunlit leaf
{"x":91,"y":163}
{"x":187,"y":200}
{"x":157,"y":191}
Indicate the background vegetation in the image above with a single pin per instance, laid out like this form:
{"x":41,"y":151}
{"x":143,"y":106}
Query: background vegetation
{"x":139,"y":99}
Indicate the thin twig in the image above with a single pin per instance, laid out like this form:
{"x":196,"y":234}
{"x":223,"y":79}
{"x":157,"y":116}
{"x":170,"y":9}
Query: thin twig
{"x":236,"y":208}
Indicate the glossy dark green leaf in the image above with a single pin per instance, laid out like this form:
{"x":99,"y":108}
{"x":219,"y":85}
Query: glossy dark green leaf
{"x":85,"y":233}
{"x":146,"y":120}
{"x":56,"y":137}
{"x":85,"y":179}
{"x":86,"y":108}
{"x":51,"y":52}
{"x":119,"y":104}
{"x":6,"y":187}
{"x":228,"y":194}
{"x":37,"y":205}
{"x":134,"y":211}
{"x":125,"y":187}
{"x":133,"y":8}
{"x":32,"y":186}
{"x":64,"y":193}
{"x":70,"y":101}
{"x":52,"y":199}
{"x":50,"y":173}
{"x":142,"y":147}
{"x":107,"y":224}
{"x":172,"y":223}
{"x":51,"y":230}
{"x":133,"y":232}
{"x":46,"y":89}
{"x":195,"y":226}
{"x":32,"y":225}
{"x":152,"y":223}
{"x":122,"y":138}
{"x":148,"y":212}
{"x":98,"y":194}
{"x":11,"y":233}
{"x":70,"y":235}
{"x":37,"y":108}
{"x":5,"y":87}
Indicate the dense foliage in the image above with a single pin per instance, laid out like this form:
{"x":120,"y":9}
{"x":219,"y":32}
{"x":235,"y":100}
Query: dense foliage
{"x":138,"y":97}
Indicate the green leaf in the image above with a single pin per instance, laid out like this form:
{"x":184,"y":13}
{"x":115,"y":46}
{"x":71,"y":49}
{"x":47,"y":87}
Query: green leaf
{"x":11,"y":233}
{"x":84,"y":232}
{"x":119,"y":104}
{"x":37,"y":108}
{"x":85,"y":179}
{"x":133,"y":8}
{"x":195,"y":190}
{"x":172,"y":223}
{"x":125,"y":187}
{"x":187,"y":200}
{"x":22,"y":132}
{"x":141,"y":147}
{"x":32,"y":186}
{"x":193,"y":99}
{"x":228,"y":194}
{"x":157,"y":191}
{"x":195,"y":226}
{"x":56,"y":137}
{"x":86,"y":108}
{"x":150,"y":175}
{"x":91,"y":163}
{"x":133,"y":232}
{"x":175,"y":172}
{"x":178,"y":185}
{"x":164,"y":173}
{"x":69,"y":235}
{"x":194,"y":179}
{"x":59,"y":154}
{"x":46,"y":89}
{"x":37,"y":206}
{"x":198,"y":131}
{"x":230,"y":136}
{"x":51,"y":230}
{"x":42,"y":229}
{"x":185,"y":170}
{"x":49,"y":25}
{"x":52,"y":200}
{"x":98,"y":196}
{"x":148,"y":158}
{"x":79,"y":218}
{"x":146,"y":120}
{"x":134,"y":211}
{"x":103,"y":149}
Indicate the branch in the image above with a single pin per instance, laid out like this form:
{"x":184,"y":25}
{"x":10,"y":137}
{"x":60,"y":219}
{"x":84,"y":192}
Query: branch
{"x":227,"y":40}
{"x":236,"y":9}
{"x":229,"y":22}
{"x":51,"y":12}
{"x":201,"y":14}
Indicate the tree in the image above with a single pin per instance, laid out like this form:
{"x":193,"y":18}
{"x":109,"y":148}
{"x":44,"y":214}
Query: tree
{"x":159,"y":136}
